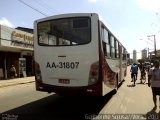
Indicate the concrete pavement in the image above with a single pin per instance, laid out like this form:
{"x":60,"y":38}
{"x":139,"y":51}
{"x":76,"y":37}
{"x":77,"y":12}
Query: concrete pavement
{"x":134,"y":102}
{"x":16,"y":81}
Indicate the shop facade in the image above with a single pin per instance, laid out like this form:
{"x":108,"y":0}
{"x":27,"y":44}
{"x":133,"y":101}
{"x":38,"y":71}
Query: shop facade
{"x":16,"y":48}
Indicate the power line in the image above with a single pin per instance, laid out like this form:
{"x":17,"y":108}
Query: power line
{"x":32,"y":8}
{"x":42,"y":5}
{"x":46,"y":6}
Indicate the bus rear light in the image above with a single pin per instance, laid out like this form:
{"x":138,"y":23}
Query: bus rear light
{"x":94,"y":73}
{"x":37,"y":67}
{"x":93,"y":77}
{"x":38,"y":72}
{"x":94,"y":66}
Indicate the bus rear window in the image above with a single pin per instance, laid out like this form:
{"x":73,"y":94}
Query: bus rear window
{"x":65,"y":32}
{"x":80,"y":23}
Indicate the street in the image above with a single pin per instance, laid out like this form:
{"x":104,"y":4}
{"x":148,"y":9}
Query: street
{"x":23,"y":102}
{"x":27,"y":104}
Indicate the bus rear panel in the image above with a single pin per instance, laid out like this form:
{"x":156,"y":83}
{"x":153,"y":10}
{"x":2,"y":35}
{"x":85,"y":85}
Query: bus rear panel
{"x":67,"y":54}
{"x":77,"y":54}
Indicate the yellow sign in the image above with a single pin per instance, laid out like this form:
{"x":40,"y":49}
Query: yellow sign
{"x":22,"y":36}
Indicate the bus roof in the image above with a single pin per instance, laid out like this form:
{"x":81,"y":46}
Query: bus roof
{"x":66,"y":15}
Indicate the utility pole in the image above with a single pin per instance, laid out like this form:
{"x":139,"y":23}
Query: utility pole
{"x":155,"y":51}
{"x":148,"y":54}
{"x":155,"y":45}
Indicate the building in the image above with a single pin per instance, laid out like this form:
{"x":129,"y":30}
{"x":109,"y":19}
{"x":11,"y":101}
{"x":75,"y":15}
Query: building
{"x":16,"y":48}
{"x":134,"y":56}
{"x":152,"y":55}
{"x":29,"y":30}
{"x":144,"y":54}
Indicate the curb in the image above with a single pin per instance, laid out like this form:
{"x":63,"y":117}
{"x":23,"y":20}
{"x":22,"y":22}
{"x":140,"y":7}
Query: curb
{"x":18,"y":81}
{"x":14,"y":84}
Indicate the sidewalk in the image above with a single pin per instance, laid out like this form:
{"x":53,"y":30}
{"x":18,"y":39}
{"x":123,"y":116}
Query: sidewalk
{"x":131,"y":102}
{"x":16,"y":81}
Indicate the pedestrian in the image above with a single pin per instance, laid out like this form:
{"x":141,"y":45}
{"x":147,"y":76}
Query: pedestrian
{"x":154,"y":82}
{"x":12,"y":72}
{"x":142,"y":71}
{"x":134,"y":71}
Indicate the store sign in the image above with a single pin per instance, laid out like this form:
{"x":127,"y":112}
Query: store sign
{"x":21,"y":39}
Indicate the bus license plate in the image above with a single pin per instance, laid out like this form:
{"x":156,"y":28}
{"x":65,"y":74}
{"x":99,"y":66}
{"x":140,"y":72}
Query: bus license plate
{"x":64,"y":81}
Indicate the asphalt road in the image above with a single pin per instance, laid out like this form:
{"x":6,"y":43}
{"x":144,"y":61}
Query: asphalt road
{"x":22,"y":102}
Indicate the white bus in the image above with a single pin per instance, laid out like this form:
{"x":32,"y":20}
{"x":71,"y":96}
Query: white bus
{"x":77,"y":54}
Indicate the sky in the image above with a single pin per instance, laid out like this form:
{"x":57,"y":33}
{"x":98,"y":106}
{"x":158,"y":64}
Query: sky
{"x":131,"y":21}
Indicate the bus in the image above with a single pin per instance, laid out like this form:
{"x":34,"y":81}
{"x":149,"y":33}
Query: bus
{"x":76,"y":53}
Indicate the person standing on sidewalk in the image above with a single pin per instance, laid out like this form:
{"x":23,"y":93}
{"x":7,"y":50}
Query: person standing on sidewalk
{"x":12,"y":72}
{"x":154,"y":82}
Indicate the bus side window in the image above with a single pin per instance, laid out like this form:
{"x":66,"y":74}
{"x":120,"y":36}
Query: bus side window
{"x":112,"y":46}
{"x":123,"y":53}
{"x":106,"y":36}
{"x":104,"y":49}
{"x":108,"y":50}
{"x":105,"y":39}
{"x":117,"y":49}
{"x":109,"y":38}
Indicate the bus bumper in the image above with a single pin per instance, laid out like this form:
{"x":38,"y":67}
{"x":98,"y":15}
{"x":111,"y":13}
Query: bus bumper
{"x":93,"y":90}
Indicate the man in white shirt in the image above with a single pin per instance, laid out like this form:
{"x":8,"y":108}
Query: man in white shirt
{"x":154,"y":82}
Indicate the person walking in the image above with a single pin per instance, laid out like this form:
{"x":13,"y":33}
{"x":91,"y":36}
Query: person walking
{"x":154,"y":82}
{"x":142,"y":71}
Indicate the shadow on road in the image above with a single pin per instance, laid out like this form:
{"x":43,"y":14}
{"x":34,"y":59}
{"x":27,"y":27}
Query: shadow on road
{"x":58,"y":107}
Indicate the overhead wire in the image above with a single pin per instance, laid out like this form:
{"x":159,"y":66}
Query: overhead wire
{"x":32,"y":8}
{"x":46,"y":6}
